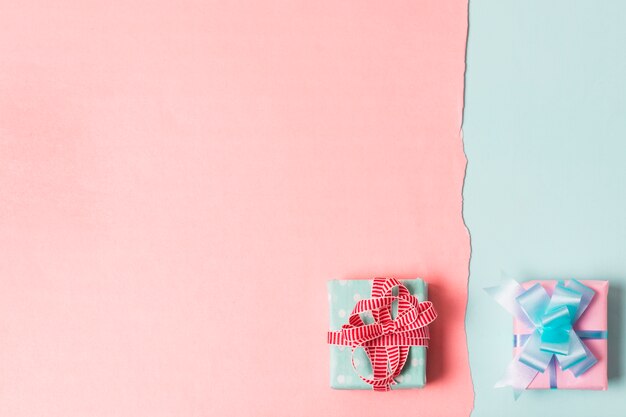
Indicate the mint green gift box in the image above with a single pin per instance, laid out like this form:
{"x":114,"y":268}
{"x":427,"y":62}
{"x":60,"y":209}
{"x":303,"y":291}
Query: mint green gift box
{"x":342,"y":295}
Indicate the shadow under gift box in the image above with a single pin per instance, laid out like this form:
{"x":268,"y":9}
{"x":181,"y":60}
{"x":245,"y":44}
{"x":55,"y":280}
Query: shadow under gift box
{"x":593,"y":319}
{"x":342,"y":296}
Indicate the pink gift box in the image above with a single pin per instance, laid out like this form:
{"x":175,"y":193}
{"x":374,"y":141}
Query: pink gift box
{"x":593,"y":319}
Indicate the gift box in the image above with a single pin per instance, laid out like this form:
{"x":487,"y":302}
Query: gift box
{"x":349,"y":359}
{"x":591,"y":327}
{"x":560,"y":337}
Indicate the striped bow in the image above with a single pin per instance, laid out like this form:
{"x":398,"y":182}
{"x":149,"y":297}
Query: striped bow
{"x":386,"y":341}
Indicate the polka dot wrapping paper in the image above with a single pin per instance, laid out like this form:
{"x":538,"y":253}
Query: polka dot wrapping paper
{"x":342,"y":296}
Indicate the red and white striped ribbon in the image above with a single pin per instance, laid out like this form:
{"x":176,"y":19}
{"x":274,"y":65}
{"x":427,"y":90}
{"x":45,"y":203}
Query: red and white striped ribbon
{"x":386,"y":341}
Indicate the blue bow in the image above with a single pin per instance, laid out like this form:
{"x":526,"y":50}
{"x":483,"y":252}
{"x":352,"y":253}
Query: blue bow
{"x":553,"y":337}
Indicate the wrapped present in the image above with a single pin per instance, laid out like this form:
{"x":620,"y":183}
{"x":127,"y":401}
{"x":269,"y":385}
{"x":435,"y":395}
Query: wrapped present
{"x":379,"y":333}
{"x":560,"y":334}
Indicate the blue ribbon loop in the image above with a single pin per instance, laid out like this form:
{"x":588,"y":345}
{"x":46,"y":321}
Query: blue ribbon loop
{"x":553,"y":339}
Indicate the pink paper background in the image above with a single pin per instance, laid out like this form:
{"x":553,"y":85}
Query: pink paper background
{"x":180,"y":179}
{"x":594,"y":318}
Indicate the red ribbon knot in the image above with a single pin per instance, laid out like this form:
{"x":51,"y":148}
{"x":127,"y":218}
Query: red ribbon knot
{"x":386,"y":341}
{"x":389,"y":327}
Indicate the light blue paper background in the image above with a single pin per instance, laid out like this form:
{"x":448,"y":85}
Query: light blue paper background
{"x":545,"y":192}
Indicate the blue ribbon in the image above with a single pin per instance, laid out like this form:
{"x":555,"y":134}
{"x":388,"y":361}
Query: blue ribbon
{"x":553,"y":340}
